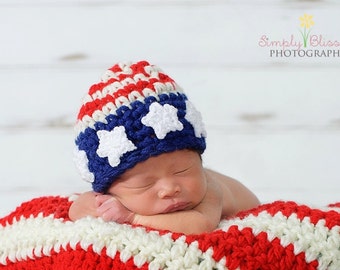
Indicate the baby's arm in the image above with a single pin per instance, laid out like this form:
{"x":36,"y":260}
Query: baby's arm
{"x":203,"y":218}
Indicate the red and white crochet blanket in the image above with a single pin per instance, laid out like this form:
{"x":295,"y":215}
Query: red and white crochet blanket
{"x":279,"y":235}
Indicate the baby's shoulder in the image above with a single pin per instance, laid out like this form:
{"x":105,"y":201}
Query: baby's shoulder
{"x":218,"y":178}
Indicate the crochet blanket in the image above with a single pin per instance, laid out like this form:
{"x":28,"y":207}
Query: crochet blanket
{"x":279,"y":235}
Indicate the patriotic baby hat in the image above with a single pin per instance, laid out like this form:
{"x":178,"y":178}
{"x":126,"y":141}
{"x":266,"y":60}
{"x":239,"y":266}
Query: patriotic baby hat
{"x":135,"y":112}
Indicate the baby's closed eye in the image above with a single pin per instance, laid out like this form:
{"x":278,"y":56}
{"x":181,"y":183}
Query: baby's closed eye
{"x":143,"y":184}
{"x":183,"y":170}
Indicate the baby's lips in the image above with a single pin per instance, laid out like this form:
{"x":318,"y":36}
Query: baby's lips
{"x":176,"y":207}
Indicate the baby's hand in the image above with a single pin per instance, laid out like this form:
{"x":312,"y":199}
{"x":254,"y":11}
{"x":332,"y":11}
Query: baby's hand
{"x":110,"y":209}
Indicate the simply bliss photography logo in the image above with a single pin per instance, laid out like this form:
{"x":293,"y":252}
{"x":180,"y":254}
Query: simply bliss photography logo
{"x":305,"y":44}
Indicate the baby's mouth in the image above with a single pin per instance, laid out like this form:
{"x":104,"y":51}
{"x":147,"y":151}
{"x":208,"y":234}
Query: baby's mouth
{"x":176,"y":207}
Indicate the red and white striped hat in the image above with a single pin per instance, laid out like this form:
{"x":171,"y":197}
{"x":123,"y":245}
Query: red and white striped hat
{"x":136,"y":111}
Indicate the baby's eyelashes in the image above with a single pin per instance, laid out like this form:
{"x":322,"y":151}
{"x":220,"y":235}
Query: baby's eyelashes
{"x":142,"y":184}
{"x":182,"y":171}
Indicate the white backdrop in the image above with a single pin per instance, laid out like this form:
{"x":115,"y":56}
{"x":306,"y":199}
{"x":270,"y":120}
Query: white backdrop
{"x":273,"y":122}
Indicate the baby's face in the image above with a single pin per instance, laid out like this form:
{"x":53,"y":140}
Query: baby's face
{"x":166,"y":183}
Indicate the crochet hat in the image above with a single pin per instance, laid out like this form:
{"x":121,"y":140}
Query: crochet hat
{"x":134,"y":113}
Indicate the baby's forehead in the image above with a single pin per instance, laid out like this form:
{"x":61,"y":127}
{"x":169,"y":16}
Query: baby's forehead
{"x":166,"y":161}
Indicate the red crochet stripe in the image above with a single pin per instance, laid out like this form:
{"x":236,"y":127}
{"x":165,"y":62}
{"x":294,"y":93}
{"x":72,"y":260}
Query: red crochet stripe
{"x":243,"y":249}
{"x":334,"y":204}
{"x":56,"y":205}
{"x":74,"y":259}
{"x":136,"y":68}
{"x":90,"y":107}
{"x":332,"y":218}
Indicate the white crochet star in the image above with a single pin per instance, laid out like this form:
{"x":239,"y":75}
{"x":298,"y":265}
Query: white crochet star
{"x":113,"y":144}
{"x":162,"y":119}
{"x":82,"y":163}
{"x":195,"y":119}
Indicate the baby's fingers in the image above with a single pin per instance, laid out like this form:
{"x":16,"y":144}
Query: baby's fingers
{"x":107,"y":205}
{"x":110,"y":210}
{"x":100,"y":199}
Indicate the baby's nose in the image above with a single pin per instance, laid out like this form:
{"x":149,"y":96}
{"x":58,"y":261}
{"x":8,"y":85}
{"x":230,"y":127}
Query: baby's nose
{"x":169,"y":189}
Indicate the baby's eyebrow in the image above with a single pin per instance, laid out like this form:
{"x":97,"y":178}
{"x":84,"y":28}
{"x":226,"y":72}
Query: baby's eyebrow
{"x":185,"y":166}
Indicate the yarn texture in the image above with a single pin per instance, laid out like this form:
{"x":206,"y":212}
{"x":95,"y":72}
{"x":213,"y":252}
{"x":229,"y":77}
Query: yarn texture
{"x":135,"y":112}
{"x":278,"y":235}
